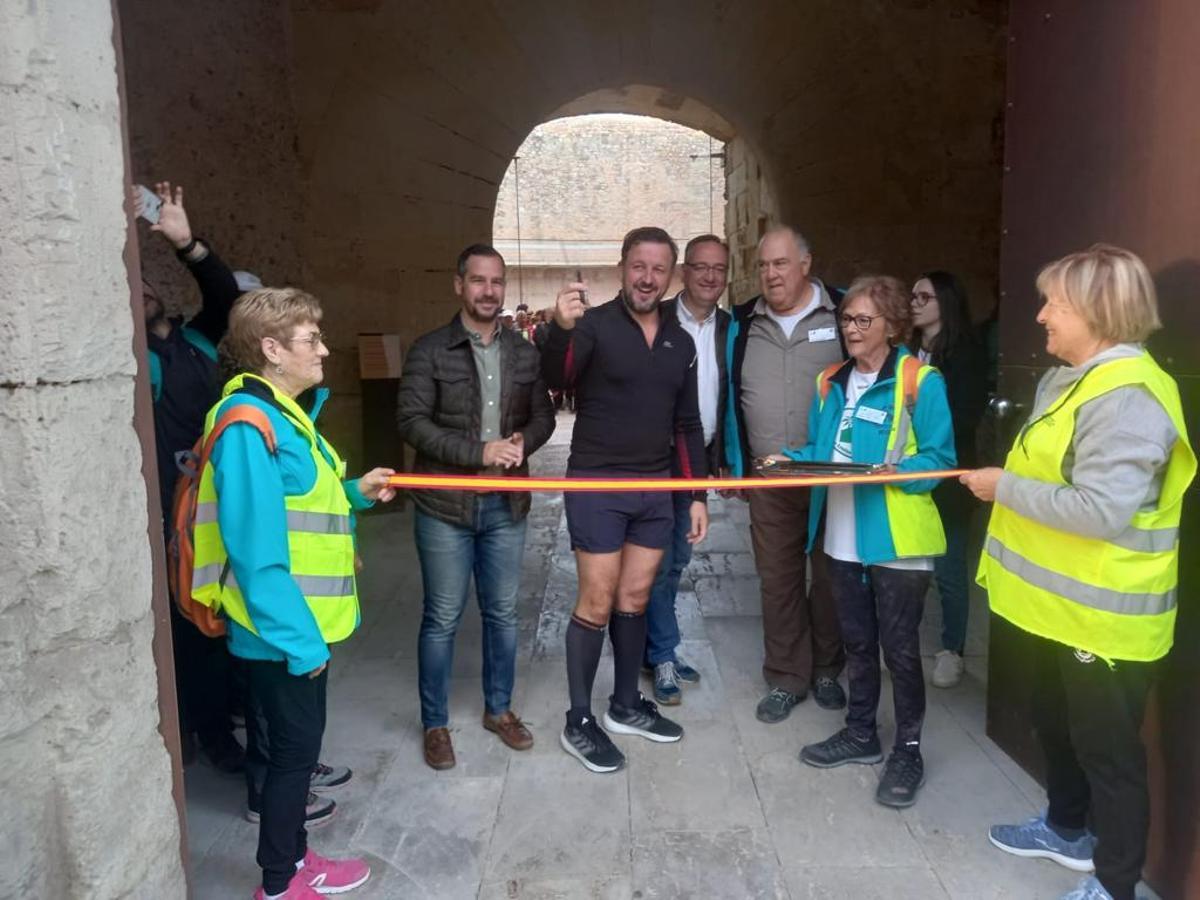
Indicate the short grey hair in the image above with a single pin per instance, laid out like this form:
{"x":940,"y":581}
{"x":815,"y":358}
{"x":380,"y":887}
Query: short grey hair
{"x":801,"y":240}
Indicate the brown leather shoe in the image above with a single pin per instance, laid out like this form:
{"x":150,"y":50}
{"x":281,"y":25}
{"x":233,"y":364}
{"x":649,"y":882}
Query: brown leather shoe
{"x":511,"y":729}
{"x":439,"y":752}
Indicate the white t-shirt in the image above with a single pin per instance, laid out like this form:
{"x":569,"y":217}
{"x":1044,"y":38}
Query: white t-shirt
{"x":841,"y":536}
{"x":789,"y":322}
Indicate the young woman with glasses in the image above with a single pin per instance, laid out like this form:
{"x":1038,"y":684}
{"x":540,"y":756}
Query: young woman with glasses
{"x":944,"y":337}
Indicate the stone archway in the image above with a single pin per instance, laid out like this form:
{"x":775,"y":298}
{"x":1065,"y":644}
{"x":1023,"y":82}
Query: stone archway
{"x":750,"y":201}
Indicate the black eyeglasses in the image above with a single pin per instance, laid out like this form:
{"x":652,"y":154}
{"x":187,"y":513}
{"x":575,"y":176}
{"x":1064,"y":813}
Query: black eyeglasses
{"x":706,"y":269}
{"x":862,"y":323}
{"x":920,"y":298}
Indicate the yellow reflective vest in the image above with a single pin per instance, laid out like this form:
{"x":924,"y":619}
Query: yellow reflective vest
{"x":319,"y":534}
{"x":1111,"y":597}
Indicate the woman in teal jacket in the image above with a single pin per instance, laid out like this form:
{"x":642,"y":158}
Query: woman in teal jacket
{"x":880,"y":407}
{"x":288,"y":590}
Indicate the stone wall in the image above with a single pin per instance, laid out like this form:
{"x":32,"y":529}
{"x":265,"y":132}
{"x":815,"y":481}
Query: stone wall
{"x":85,"y":778}
{"x":209,"y":97}
{"x":751,"y":208}
{"x":595,"y":177}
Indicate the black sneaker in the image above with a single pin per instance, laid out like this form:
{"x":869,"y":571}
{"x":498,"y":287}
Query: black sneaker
{"x":317,"y":811}
{"x":224,"y":752}
{"x":776,"y":706}
{"x":588,"y":743}
{"x":828,"y":693}
{"x":841,"y":749}
{"x":642,"y":719}
{"x":902,"y":777}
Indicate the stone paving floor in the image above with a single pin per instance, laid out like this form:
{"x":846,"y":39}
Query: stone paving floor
{"x":729,"y":812}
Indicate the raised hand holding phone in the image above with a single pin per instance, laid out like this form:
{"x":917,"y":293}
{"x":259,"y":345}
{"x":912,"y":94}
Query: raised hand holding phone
{"x":571,"y":303}
{"x":579,"y":280}
{"x":146,"y":203}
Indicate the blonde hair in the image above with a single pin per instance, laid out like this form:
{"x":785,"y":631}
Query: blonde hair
{"x":1109,"y":287}
{"x":891,"y":298}
{"x":267,"y":312}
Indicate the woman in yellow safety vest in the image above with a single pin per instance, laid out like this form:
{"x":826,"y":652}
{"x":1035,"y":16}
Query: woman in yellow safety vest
{"x":1082,"y":554}
{"x":274,"y":553}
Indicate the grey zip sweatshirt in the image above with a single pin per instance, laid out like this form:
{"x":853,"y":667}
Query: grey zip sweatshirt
{"x":1116,"y":462}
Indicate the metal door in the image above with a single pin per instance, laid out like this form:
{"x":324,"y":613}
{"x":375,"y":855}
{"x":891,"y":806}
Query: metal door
{"x":1102,"y":143}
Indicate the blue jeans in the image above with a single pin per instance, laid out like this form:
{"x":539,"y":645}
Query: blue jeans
{"x":450,"y":554}
{"x":955,"y":505}
{"x":662,"y":629}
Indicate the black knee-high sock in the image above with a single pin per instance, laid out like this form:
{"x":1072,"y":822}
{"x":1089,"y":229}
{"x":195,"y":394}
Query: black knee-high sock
{"x":628,"y":633}
{"x":585,"y":642}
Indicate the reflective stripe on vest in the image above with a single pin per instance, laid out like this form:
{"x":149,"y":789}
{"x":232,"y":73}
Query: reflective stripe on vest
{"x":1103,"y":599}
{"x":311,"y":585}
{"x":1116,"y":597}
{"x":319,"y":536}
{"x":297,"y":520}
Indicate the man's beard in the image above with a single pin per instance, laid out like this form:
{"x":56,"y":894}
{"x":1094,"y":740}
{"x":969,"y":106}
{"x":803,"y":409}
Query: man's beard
{"x":632,"y":306}
{"x":479,"y":315}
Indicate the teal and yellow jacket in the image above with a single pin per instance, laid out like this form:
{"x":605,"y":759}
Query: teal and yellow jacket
{"x":892,"y":521}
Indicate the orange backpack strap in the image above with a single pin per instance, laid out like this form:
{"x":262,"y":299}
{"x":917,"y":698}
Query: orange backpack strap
{"x":243,"y":412}
{"x":910,"y":368}
{"x":826,"y":374}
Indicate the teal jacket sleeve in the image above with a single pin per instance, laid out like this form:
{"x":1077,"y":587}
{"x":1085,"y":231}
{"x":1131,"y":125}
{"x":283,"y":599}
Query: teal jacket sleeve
{"x":357,"y":501}
{"x":933,"y":427}
{"x":253,"y":522}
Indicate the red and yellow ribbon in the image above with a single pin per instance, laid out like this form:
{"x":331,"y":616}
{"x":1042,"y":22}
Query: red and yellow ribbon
{"x":487,"y":483}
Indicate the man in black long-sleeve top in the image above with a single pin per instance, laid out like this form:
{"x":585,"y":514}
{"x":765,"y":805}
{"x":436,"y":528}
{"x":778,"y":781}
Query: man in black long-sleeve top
{"x":184,"y":384}
{"x":633,"y":370}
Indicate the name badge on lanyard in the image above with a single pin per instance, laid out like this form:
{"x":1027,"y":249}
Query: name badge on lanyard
{"x":867,"y":414}
{"x":828,"y":333}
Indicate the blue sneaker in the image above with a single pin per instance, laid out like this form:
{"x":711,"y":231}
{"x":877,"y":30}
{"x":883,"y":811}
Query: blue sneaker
{"x":666,"y":684}
{"x":1088,"y":889}
{"x":1035,"y":839}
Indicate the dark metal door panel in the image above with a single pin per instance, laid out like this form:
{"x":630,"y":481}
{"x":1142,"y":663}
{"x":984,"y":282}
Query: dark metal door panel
{"x":1102,"y":143}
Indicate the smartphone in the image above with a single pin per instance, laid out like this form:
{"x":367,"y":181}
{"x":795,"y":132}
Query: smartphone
{"x":582,"y":294}
{"x":151,"y":204}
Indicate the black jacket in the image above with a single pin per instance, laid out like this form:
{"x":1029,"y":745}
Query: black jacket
{"x":440,"y":410}
{"x":716,"y":450}
{"x":189,"y":383}
{"x":965,"y":369}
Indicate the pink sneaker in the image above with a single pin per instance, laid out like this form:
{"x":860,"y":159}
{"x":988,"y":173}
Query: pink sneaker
{"x":332,"y":876}
{"x":297,"y":889}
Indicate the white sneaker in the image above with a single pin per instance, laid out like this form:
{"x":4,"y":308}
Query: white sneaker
{"x":947,"y":669}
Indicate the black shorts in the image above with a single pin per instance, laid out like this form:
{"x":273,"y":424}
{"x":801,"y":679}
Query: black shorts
{"x":600,"y":522}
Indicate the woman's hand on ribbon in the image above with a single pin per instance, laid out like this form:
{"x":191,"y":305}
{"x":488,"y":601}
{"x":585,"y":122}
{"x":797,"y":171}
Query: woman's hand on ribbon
{"x":374,"y":485}
{"x":982,"y":482}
